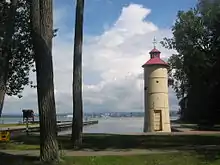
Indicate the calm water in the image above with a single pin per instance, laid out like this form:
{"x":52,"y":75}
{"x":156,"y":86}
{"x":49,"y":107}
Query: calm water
{"x":116,"y":125}
{"x":108,"y":125}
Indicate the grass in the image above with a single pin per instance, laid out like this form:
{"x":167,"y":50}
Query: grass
{"x":154,"y":159}
{"x":10,"y":125}
{"x":17,"y":146}
{"x":15,"y":125}
{"x":182,"y":158}
{"x":99,"y":142}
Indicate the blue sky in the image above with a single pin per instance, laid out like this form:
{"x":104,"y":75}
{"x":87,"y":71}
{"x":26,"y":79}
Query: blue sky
{"x":119,"y":35}
{"x":100,"y":13}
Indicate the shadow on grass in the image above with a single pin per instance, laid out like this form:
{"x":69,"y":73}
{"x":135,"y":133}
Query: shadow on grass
{"x":208,"y":154}
{"x":114,"y":141}
{"x":99,"y":142}
{"x":183,"y":158}
{"x":8,"y":159}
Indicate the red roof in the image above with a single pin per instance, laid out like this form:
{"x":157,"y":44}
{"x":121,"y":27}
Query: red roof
{"x":154,"y":51}
{"x":155,"y":61}
{"x":155,"y":58}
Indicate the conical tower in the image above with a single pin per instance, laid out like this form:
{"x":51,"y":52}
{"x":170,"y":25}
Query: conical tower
{"x":157,"y":118}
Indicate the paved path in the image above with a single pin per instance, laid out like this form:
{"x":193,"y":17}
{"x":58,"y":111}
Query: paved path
{"x":89,"y":152}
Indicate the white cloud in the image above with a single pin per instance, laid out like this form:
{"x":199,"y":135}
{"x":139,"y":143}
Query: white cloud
{"x":111,"y":65}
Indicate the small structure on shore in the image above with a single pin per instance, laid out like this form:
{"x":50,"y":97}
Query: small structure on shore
{"x":156,"y":100}
{"x":28,"y":114}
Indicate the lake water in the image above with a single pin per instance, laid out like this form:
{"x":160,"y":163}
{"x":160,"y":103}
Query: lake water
{"x":117,"y":125}
{"x":109,"y":125}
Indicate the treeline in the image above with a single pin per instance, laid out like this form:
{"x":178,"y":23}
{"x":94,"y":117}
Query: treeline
{"x":26,"y":32}
{"x":195,"y":68}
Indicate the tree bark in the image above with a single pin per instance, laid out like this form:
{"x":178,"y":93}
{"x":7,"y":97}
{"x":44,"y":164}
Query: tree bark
{"x":5,"y":51}
{"x":42,"y":34}
{"x":77,"y":122}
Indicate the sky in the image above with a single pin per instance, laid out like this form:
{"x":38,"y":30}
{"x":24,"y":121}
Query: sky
{"x":118,"y":36}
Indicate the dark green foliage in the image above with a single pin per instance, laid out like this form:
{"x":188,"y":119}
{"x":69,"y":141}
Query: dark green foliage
{"x":22,"y":59}
{"x":196,"y":37}
{"x":20,"y":55}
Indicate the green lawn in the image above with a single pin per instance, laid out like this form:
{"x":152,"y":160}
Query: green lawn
{"x":15,"y":125}
{"x":182,"y":158}
{"x":99,"y":142}
{"x":154,"y":159}
{"x":110,"y":141}
{"x":10,"y":125}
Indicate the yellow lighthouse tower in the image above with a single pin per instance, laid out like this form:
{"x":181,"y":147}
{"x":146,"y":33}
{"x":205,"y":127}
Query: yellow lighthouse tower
{"x":156,"y":102}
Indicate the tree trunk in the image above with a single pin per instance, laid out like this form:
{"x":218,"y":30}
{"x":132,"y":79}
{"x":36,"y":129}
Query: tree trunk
{"x":42,"y":33}
{"x":3,"y":81}
{"x":3,"y":78}
{"x":5,"y":51}
{"x":77,"y":123}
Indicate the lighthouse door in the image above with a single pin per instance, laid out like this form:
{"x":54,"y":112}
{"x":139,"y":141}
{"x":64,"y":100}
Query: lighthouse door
{"x":157,"y":120}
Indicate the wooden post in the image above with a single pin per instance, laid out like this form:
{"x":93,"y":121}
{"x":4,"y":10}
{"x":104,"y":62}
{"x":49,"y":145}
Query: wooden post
{"x":27,"y":131}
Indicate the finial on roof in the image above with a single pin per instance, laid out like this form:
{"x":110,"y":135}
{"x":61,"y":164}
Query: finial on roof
{"x":154,"y":42}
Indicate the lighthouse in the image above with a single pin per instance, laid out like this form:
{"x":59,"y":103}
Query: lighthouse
{"x":156,"y":101}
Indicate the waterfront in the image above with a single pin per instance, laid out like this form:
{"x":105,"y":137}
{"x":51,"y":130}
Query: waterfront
{"x":105,"y":125}
{"x":116,"y":125}
{"x":18,"y":119}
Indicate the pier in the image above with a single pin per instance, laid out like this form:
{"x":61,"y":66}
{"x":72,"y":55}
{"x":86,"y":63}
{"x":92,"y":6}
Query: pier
{"x":61,"y":125}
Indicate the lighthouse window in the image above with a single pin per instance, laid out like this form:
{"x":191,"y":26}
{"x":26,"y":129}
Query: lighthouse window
{"x":157,"y":81}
